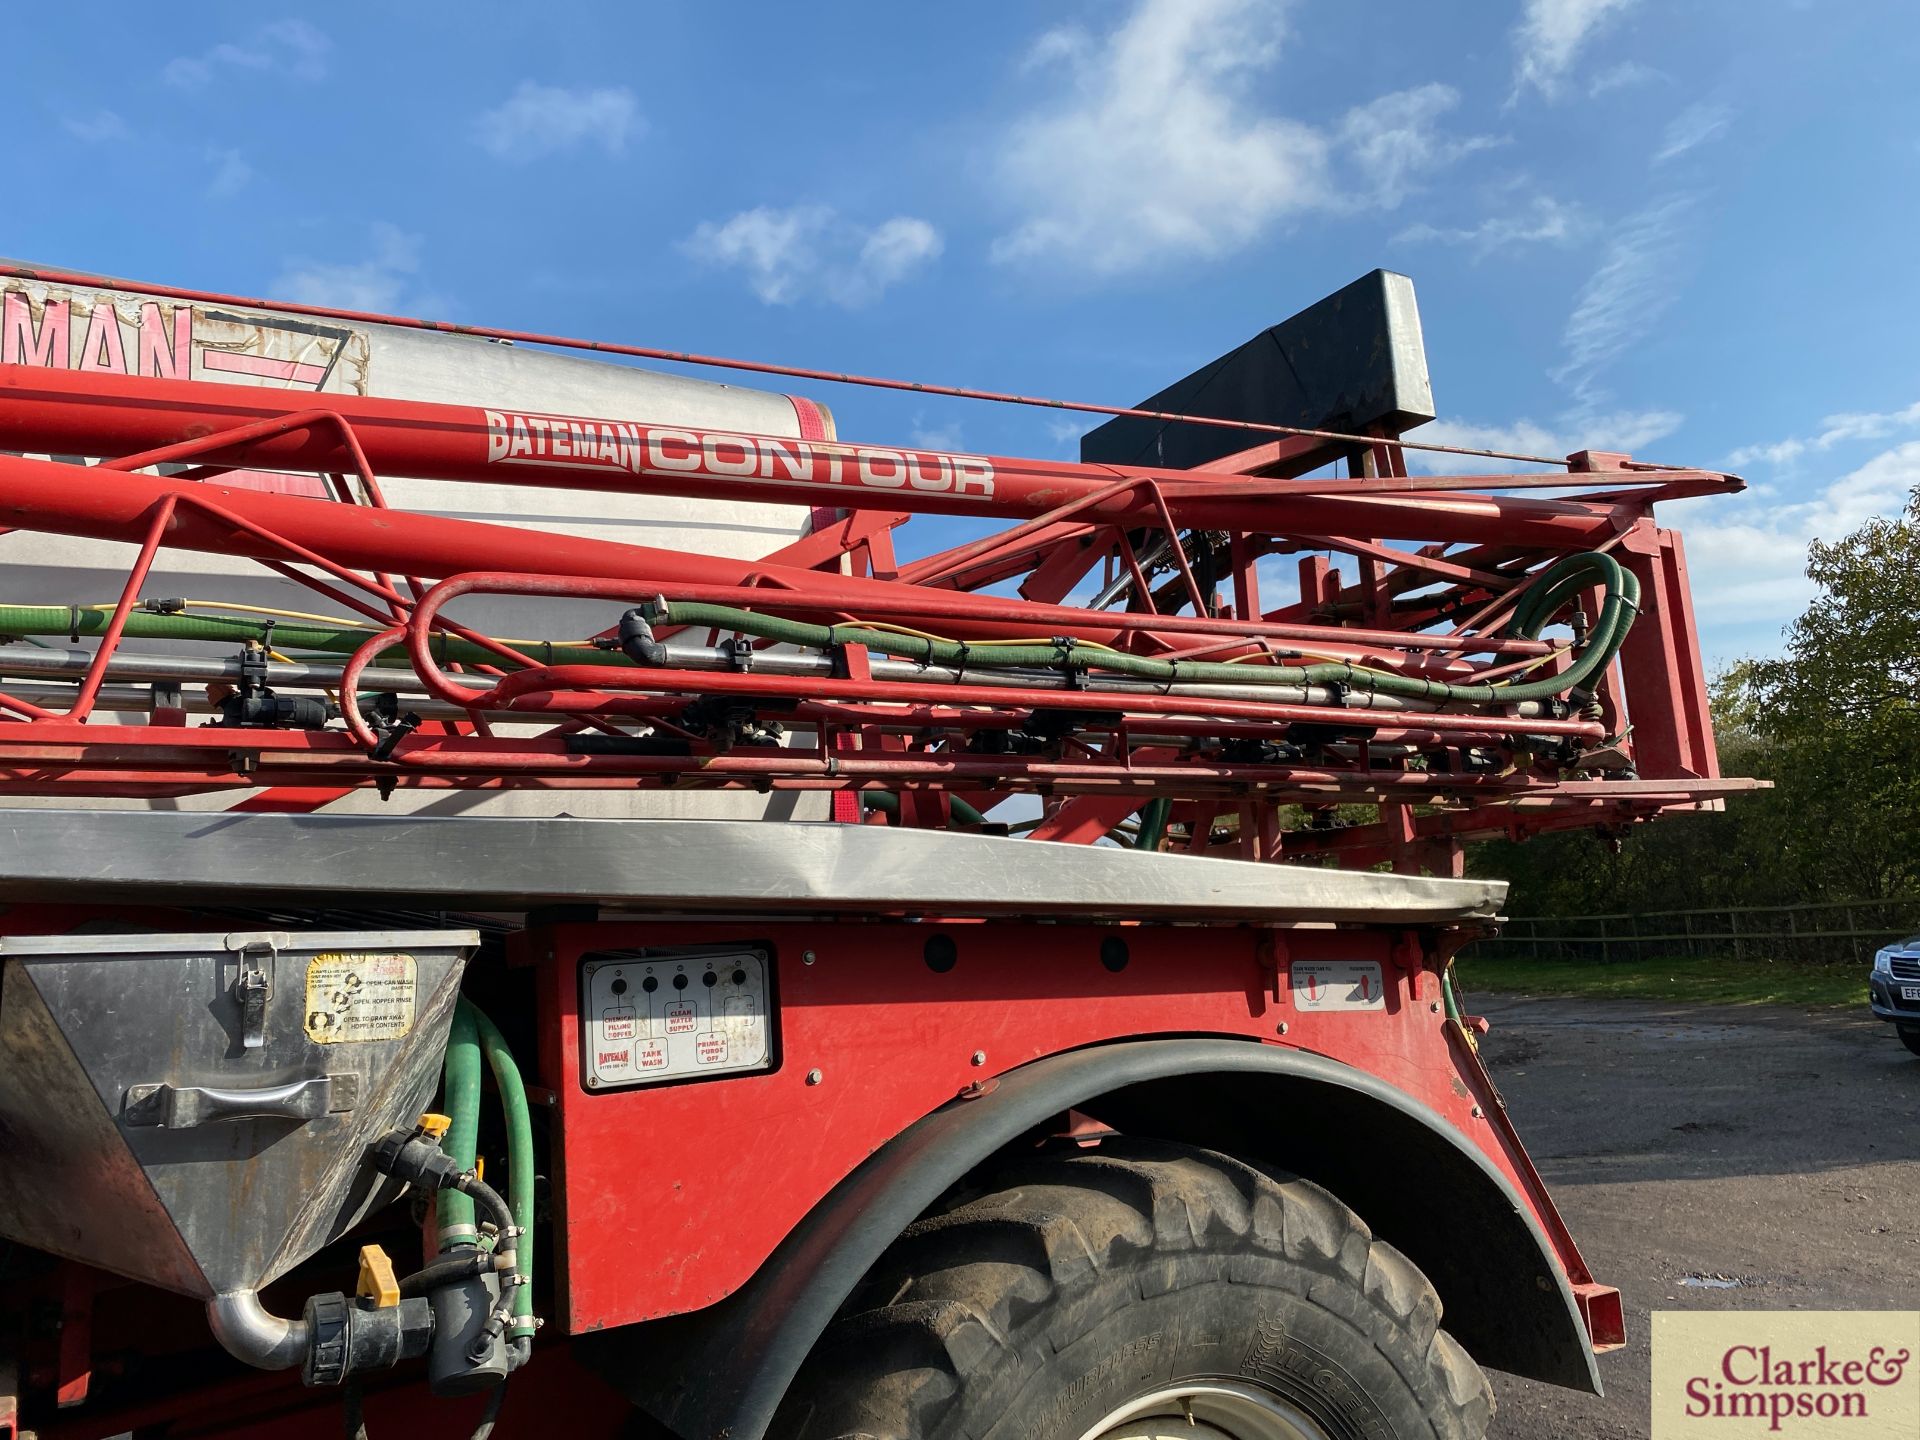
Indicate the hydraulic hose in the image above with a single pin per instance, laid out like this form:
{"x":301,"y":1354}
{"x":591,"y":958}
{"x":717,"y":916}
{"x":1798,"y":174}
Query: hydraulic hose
{"x":1450,"y":996}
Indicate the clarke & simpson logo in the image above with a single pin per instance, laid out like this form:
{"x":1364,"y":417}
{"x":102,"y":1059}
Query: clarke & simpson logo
{"x":1832,"y":1375}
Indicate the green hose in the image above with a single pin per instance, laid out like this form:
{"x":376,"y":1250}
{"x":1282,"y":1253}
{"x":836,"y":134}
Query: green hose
{"x":29,"y":620}
{"x":1450,"y":997}
{"x":462,"y":1141}
{"x":888,"y":803}
{"x":1153,"y":824}
{"x":1559,"y":583}
{"x":520,"y":1167}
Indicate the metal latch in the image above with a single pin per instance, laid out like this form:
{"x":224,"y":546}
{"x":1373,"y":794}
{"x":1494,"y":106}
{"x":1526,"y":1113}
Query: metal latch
{"x":253,"y":982}
{"x":182,"y":1107}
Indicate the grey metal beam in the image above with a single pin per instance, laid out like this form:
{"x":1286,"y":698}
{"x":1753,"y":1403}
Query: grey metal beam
{"x":739,"y":867}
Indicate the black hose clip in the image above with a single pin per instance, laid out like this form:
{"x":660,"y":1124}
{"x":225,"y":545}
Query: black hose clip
{"x":1076,"y":675}
{"x":253,"y":665}
{"x":393,"y":734}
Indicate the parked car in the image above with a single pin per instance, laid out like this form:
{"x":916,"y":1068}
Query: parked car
{"x":1894,"y":989}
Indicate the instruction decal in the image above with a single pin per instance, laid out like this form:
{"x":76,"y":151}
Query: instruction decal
{"x":359,"y":997}
{"x":673,"y":1015}
{"x":1338,"y":985}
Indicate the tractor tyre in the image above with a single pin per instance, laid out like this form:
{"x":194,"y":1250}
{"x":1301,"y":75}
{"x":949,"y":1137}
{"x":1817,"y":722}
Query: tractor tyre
{"x":1135,"y":1291}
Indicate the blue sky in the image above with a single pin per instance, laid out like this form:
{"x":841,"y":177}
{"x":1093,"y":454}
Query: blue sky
{"x":1683,"y":230}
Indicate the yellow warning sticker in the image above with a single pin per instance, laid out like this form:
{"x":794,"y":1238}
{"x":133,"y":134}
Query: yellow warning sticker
{"x":359,"y":997}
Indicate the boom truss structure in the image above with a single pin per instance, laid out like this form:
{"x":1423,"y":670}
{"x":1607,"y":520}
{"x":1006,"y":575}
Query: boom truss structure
{"x":1464,"y":656}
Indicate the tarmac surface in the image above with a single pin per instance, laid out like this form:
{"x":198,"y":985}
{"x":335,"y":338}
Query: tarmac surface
{"x":1709,"y":1158}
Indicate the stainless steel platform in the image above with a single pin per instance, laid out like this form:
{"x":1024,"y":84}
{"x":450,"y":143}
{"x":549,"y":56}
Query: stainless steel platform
{"x":726,"y":866}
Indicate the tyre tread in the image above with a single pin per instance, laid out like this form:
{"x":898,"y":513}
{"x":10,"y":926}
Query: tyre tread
{"x":945,"y":1302}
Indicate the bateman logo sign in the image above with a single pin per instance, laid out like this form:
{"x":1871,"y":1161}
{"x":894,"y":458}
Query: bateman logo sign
{"x":1808,"y":1375}
{"x":572,"y":442}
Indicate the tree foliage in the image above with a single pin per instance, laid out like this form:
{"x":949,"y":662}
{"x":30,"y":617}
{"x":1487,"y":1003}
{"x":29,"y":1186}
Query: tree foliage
{"x":1833,"y":722}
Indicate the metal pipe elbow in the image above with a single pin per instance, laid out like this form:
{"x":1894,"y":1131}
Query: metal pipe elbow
{"x":247,"y":1331}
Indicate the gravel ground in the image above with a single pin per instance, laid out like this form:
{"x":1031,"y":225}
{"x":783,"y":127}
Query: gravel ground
{"x":1774,"y":1149}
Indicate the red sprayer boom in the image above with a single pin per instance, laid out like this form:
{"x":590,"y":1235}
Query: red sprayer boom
{"x":1491,"y":663}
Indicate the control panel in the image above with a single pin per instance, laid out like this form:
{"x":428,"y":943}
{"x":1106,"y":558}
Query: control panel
{"x":673,"y":1016}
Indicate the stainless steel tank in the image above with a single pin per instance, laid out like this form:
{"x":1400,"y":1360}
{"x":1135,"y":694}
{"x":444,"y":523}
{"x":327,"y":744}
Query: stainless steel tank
{"x":194,"y":1111}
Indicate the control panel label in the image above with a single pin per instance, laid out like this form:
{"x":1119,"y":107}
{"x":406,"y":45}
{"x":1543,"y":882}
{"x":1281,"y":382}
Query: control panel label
{"x":671,"y":1017}
{"x":359,"y":997}
{"x":1338,"y":985}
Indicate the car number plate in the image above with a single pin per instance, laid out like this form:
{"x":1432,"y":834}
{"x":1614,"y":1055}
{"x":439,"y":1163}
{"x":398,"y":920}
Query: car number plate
{"x":1910,"y":992}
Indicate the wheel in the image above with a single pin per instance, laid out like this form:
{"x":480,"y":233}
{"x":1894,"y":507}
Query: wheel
{"x":1137,"y":1291}
{"x":1910,"y":1037}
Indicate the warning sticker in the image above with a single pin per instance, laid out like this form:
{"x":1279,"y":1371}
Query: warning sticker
{"x":1338,"y":985}
{"x":359,"y":997}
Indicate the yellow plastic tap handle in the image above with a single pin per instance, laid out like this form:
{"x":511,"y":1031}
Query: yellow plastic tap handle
{"x":377,"y":1281}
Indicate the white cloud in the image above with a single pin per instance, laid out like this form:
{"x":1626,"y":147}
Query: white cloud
{"x":1541,"y":219}
{"x":1834,"y":430}
{"x":1395,"y":141}
{"x":231,"y":174}
{"x":811,"y":252}
{"x":1699,"y":124}
{"x":934,"y":437}
{"x":1747,"y":554}
{"x":96,"y":129}
{"x":541,"y":120}
{"x":1161,"y":145}
{"x":1640,"y":274}
{"x":286,"y":47}
{"x":1550,"y":36}
{"x":1627,"y":75}
{"x":377,"y":283}
{"x":1064,"y":433}
{"x":1626,"y":431}
{"x":1157,"y":150}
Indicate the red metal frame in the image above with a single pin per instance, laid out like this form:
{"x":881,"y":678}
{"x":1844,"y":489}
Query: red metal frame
{"x":1424,"y":611}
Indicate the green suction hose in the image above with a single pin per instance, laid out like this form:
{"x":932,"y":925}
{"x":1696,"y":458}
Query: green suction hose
{"x":513,"y":1102}
{"x":454,"y":1211}
{"x":473,"y":1036}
